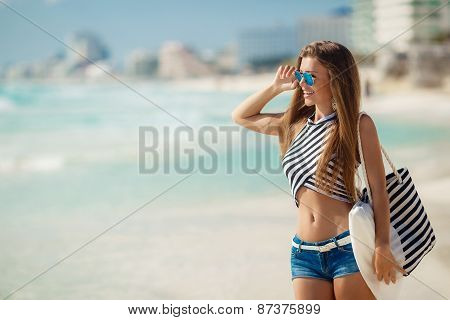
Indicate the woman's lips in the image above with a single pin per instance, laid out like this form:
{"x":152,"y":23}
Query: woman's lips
{"x":307,"y":94}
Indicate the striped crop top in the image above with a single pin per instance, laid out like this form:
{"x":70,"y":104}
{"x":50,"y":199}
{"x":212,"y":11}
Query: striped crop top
{"x":300,"y":160}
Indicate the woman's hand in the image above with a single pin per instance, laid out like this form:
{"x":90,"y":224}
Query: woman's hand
{"x":384,"y":264}
{"x":285,"y":79}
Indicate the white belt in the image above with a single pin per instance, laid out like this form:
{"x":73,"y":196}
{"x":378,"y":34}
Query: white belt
{"x":325,"y":247}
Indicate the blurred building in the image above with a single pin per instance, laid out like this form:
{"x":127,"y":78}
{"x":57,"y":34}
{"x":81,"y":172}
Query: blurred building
{"x":407,"y":40}
{"x":428,"y":64}
{"x":266,"y":46}
{"x":394,"y":17}
{"x":87,"y":44}
{"x":363,"y":27}
{"x":97,"y":71}
{"x":79,"y":62}
{"x":36,"y":70}
{"x":87,"y":48}
{"x":177,"y":61}
{"x":20,"y":70}
{"x":334,"y":27}
{"x":226,"y":59}
{"x":141,"y":63}
{"x":377,"y":22}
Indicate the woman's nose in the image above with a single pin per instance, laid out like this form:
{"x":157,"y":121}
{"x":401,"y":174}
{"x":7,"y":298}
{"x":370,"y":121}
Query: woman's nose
{"x":302,"y":82}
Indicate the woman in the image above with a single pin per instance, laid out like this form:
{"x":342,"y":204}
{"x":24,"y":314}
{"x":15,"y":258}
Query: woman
{"x":317,"y":135}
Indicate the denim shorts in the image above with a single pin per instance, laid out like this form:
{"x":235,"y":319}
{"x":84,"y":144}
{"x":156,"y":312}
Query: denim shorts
{"x":327,"y":265}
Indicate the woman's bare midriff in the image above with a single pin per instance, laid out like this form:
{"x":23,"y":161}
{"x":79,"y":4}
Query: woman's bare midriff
{"x":327,"y":218}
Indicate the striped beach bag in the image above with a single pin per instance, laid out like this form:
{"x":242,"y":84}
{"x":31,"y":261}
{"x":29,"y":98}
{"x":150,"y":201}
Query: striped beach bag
{"x":412,"y":235}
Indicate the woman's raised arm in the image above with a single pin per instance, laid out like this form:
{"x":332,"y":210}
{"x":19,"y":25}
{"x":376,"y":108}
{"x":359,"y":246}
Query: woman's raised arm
{"x":248,"y":113}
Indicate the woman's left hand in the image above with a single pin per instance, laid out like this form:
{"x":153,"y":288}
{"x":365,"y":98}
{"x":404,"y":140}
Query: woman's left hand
{"x":384,"y":264}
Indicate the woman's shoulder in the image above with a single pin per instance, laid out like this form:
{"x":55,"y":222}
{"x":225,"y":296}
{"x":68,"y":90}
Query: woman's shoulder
{"x":366,"y":123}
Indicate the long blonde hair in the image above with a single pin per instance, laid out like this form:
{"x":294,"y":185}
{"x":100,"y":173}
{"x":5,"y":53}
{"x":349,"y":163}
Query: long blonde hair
{"x":345,"y":87}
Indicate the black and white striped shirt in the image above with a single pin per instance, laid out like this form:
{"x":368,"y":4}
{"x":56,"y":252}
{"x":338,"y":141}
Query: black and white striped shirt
{"x":300,"y":160}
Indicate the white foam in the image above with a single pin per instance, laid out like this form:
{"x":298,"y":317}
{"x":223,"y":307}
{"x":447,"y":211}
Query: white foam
{"x":6,"y":105}
{"x":41,"y":163}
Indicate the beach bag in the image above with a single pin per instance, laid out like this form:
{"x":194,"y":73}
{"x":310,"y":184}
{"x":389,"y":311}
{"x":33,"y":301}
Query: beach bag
{"x":411,"y":233}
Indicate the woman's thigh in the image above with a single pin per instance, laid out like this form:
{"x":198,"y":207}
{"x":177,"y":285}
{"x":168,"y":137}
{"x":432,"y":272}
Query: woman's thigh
{"x":312,"y":289}
{"x":352,"y":287}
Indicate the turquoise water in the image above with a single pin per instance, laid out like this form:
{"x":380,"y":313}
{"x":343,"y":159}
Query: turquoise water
{"x":69,"y":158}
{"x":80,"y":142}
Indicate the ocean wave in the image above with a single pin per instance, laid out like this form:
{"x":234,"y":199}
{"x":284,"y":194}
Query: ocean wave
{"x":6,"y":105}
{"x":42,"y":163}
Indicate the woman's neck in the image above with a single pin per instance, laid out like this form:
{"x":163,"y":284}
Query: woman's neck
{"x":322,"y":111}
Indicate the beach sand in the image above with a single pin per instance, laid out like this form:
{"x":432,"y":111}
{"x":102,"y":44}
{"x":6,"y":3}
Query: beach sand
{"x":241,"y":249}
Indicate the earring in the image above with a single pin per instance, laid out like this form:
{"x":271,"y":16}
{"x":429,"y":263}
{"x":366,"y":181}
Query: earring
{"x":333,"y":104}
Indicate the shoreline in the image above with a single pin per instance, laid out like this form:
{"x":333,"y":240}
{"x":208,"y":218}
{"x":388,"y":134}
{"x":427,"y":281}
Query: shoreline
{"x":398,"y":99}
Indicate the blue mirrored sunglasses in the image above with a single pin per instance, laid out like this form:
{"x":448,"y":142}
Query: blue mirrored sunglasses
{"x":308,"y":77}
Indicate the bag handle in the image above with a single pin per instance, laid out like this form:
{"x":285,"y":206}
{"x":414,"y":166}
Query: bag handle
{"x":361,"y":155}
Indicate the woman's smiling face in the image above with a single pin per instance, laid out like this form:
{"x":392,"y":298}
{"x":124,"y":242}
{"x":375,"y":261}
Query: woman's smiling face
{"x":320,"y":91}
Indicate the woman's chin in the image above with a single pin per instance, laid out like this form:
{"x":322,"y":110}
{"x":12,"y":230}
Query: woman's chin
{"x":309,"y":102}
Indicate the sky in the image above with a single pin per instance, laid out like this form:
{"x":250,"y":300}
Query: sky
{"x":127,"y":25}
